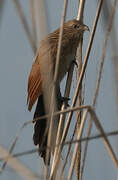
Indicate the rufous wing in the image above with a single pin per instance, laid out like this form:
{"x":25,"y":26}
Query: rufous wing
{"x":34,"y":85}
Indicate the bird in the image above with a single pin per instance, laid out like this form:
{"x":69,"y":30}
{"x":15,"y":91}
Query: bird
{"x":43,"y":68}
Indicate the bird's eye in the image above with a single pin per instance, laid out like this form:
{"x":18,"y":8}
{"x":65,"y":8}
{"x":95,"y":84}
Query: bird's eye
{"x":75,"y":26}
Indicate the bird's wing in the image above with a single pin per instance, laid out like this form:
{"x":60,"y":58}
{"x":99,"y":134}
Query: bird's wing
{"x":34,"y":85}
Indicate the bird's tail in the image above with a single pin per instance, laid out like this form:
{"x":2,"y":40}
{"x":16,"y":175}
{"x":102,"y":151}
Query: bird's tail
{"x":40,"y":135}
{"x":40,"y":129}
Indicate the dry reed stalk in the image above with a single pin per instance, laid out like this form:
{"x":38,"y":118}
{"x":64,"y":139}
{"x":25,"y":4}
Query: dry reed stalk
{"x":94,"y":137}
{"x":69,"y":149}
{"x":33,"y":20}
{"x":78,"y":158}
{"x":17,"y":166}
{"x":105,"y":139}
{"x":62,"y":116}
{"x":79,"y":135}
{"x":27,"y":123}
{"x":69,"y":79}
{"x":115,"y":59}
{"x":97,"y":136}
{"x":98,"y":81}
{"x":79,"y":81}
{"x":39,"y":20}
{"x":25,"y":24}
{"x":12,"y":148}
{"x":54,"y":84}
{"x":98,"y":125}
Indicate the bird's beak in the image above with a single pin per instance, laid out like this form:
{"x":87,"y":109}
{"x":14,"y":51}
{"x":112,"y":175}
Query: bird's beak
{"x":86,"y":28}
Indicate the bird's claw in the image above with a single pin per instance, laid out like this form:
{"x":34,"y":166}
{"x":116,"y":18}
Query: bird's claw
{"x":74,"y":62}
{"x":65,"y":100}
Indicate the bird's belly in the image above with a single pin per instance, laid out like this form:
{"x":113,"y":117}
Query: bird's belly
{"x":65,"y":64}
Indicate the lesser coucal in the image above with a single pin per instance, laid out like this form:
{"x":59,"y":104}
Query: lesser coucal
{"x":44,"y":64}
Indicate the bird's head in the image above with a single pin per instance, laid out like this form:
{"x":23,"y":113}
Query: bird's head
{"x":75,"y":27}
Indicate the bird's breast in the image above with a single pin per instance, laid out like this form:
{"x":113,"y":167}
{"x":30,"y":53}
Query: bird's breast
{"x":65,"y":64}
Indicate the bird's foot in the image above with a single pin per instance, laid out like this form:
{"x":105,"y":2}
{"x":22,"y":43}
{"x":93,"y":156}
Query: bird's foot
{"x":75,"y":62}
{"x":65,"y":100}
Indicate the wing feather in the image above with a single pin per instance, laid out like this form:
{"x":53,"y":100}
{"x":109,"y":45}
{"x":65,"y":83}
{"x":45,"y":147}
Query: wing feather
{"x":34,"y":85}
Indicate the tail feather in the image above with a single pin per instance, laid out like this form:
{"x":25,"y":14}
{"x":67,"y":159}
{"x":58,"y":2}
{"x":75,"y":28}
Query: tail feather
{"x":39,"y":137}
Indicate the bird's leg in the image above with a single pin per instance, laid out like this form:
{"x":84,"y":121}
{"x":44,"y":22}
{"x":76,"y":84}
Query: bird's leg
{"x":73,"y":62}
{"x":60,"y":98}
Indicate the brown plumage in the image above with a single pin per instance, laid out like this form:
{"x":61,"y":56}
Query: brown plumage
{"x":44,"y":64}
